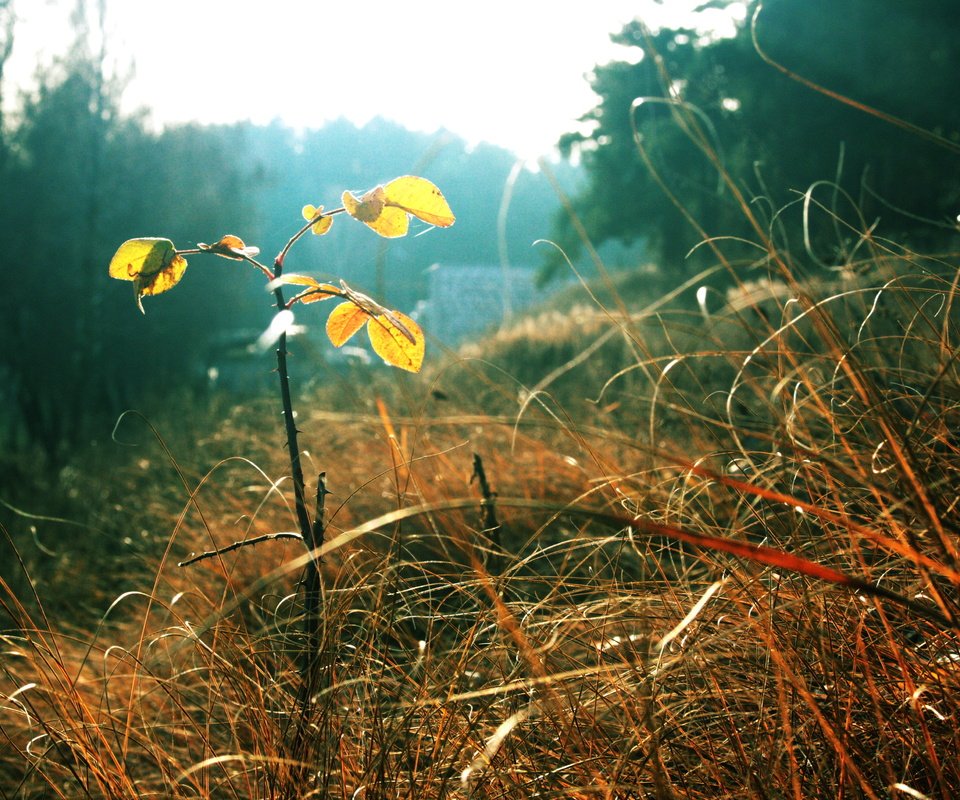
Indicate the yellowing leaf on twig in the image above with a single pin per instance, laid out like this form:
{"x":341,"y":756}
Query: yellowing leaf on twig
{"x":400,"y":345}
{"x":387,"y":209}
{"x":371,"y":209}
{"x":322,"y":224}
{"x":368,"y":207}
{"x":322,"y":291}
{"x":230,"y":246}
{"x":153,"y":264}
{"x":421,"y":198}
{"x":344,"y":321}
{"x":395,"y":337}
{"x":315,"y":291}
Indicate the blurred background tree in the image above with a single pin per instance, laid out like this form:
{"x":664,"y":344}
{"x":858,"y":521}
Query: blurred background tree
{"x":78,"y":179}
{"x":775,"y":136}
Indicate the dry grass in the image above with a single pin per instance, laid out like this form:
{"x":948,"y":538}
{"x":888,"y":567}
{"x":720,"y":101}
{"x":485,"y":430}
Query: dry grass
{"x":561,"y":655}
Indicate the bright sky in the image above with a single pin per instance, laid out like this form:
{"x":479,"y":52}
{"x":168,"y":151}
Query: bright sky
{"x":510,"y":72}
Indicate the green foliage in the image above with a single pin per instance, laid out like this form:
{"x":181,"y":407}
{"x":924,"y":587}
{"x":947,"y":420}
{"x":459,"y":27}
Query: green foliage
{"x":701,"y":107}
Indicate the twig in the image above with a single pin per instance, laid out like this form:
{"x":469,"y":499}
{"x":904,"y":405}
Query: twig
{"x":488,"y":508}
{"x":268,"y":537}
{"x":312,"y":664}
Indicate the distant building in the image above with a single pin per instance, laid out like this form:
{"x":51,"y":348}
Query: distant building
{"x":464,"y":301}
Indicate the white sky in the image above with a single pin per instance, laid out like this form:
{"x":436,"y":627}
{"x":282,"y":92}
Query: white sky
{"x":510,"y":72}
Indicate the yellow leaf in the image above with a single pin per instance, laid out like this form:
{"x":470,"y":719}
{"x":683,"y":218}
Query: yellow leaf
{"x":322,"y":291}
{"x":322,"y":225}
{"x":230,"y":246}
{"x":165,"y":279}
{"x":292,"y":278}
{"x":368,"y":207}
{"x":344,"y":321}
{"x":387,"y":209}
{"x":398,"y":340}
{"x":152,"y":264}
{"x":314,"y":292}
{"x":372,"y":210}
{"x":419,"y":197}
{"x":141,"y":256}
{"x":391,"y":223}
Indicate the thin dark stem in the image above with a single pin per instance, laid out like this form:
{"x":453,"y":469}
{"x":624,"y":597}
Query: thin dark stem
{"x":311,"y":670}
{"x":289,"y":419}
{"x":491,"y":524}
{"x":293,"y":446}
{"x":312,"y":623}
{"x":311,"y":572}
{"x":490,"y":521}
{"x":269,"y":537}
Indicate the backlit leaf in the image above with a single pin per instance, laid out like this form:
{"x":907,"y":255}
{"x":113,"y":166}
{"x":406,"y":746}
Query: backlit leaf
{"x":419,"y":197}
{"x":291,"y":278}
{"x":371,"y":209}
{"x":322,"y":225}
{"x":153,"y":265}
{"x":344,"y":321}
{"x":387,"y":209}
{"x":398,"y":340}
{"x":366,"y":208}
{"x":230,"y":246}
{"x":391,"y":223}
{"x":314,"y":292}
{"x":322,"y":291}
{"x":141,"y":256}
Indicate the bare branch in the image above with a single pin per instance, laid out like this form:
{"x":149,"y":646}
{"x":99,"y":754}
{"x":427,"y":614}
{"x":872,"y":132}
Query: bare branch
{"x":269,"y":537}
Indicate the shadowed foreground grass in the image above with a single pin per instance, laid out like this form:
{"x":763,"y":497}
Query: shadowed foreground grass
{"x":568,"y":646}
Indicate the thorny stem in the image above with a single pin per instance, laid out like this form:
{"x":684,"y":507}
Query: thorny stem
{"x":311,"y":576}
{"x":312,"y":597}
{"x":296,"y":468}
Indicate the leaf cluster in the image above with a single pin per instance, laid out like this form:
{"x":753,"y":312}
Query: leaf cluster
{"x":154,"y":265}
